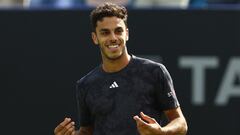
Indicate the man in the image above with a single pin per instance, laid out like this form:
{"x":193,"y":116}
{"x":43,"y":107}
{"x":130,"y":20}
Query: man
{"x":112,"y":95}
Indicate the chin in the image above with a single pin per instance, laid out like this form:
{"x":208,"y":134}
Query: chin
{"x":114,"y":56}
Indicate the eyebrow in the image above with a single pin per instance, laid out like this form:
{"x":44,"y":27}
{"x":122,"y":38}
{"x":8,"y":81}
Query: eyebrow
{"x":119,"y":28}
{"x":105,"y":29}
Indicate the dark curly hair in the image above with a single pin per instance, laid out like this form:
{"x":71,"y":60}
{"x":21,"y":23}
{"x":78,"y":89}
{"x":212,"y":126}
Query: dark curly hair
{"x":107,"y":10}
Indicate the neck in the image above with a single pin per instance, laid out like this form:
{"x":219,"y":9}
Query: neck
{"x":116,"y":65}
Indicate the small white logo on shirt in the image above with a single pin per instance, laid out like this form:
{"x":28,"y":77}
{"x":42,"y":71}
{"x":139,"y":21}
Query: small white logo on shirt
{"x":170,"y":94}
{"x":114,"y":85}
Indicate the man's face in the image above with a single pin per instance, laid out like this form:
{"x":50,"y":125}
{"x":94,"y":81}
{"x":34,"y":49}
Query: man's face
{"x":111,"y":36}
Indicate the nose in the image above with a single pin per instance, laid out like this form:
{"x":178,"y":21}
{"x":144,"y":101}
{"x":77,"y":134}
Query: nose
{"x":113,"y":37}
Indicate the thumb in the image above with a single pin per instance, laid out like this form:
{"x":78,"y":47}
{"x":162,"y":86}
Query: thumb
{"x":147,"y":118}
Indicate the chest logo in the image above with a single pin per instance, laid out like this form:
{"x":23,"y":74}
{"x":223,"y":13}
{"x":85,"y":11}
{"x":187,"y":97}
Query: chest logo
{"x":114,"y":85}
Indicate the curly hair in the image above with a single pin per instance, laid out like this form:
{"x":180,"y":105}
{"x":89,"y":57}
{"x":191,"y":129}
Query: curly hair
{"x":108,"y":10}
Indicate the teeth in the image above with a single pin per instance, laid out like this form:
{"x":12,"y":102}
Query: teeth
{"x":113,"y":46}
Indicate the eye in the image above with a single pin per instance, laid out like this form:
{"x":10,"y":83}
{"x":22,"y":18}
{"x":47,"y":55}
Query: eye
{"x":119,"y":31}
{"x":104,"y":32}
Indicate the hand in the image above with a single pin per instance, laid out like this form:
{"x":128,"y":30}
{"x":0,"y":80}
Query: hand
{"x":150,"y":127}
{"x":67,"y":127}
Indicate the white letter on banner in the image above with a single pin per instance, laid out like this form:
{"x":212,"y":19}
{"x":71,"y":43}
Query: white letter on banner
{"x":228,"y":89}
{"x":198,"y":65}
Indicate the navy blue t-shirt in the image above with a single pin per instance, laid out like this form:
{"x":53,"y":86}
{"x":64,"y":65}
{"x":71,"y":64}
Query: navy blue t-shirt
{"x":108,"y":101}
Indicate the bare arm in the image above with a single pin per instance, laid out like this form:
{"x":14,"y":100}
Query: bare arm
{"x":177,"y":124}
{"x":149,"y":126}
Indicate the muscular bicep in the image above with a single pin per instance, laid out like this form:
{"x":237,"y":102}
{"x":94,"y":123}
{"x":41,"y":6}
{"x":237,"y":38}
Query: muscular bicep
{"x":85,"y":131}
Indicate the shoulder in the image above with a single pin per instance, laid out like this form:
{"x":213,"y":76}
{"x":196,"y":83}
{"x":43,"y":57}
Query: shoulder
{"x":89,"y":77}
{"x":148,"y":64}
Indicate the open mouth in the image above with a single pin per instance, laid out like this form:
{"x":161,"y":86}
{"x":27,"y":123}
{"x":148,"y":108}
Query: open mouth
{"x":113,"y":47}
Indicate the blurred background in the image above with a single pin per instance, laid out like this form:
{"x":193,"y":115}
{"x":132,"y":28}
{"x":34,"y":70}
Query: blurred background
{"x":129,"y":3}
{"x":46,"y":47}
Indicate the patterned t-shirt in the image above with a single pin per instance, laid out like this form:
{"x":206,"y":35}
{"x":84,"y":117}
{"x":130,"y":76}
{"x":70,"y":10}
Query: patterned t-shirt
{"x":108,"y":101}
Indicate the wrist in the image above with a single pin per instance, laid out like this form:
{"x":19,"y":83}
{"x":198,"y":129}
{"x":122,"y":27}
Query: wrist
{"x":164,"y":131}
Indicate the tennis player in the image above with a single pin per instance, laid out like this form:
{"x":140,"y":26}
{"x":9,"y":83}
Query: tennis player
{"x":125,"y":94}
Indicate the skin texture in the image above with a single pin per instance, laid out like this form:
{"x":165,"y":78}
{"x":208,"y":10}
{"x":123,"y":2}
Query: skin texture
{"x":112,"y":31}
{"x":111,"y":36}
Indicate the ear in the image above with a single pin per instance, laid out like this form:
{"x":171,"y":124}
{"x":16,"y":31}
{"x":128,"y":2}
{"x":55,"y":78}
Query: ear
{"x":94,"y":38}
{"x":127,"y":34}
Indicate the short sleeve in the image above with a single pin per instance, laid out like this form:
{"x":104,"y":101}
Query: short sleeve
{"x":166,"y":96}
{"x":84,"y":114}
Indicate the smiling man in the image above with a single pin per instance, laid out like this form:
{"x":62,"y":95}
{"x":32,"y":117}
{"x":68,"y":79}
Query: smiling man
{"x":125,"y":95}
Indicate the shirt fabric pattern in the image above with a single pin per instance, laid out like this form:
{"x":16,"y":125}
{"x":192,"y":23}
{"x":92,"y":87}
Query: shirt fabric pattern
{"x":108,"y":101}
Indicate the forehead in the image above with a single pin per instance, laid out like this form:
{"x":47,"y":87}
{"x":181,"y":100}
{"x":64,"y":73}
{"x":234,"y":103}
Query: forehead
{"x":110,"y":23}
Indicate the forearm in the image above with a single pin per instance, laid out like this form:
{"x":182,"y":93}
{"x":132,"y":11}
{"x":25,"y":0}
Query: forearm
{"x":177,"y":126}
